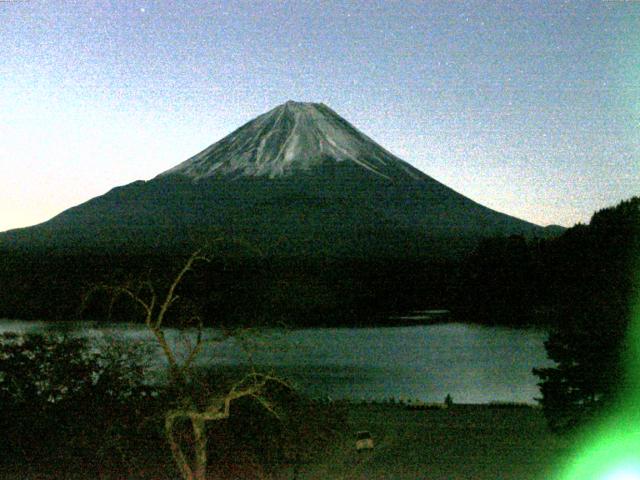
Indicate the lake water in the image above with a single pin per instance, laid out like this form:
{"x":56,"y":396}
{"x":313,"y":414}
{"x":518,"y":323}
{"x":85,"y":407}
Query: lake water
{"x":473,"y":364}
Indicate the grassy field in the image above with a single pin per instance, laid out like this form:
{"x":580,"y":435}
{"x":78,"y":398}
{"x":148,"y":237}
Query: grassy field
{"x":470,"y":442}
{"x":464,"y":442}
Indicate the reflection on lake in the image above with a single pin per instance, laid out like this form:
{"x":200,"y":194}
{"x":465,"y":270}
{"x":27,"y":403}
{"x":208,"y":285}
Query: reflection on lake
{"x":472,"y":363}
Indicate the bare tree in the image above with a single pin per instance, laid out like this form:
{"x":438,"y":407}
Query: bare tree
{"x":192,"y":465}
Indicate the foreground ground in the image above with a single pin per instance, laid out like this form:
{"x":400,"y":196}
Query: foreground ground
{"x":463,"y":442}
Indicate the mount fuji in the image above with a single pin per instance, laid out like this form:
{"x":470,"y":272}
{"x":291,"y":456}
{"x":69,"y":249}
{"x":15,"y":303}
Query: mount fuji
{"x":297,"y":180}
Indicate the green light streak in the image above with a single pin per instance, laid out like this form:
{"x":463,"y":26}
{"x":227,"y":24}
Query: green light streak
{"x":611,"y":449}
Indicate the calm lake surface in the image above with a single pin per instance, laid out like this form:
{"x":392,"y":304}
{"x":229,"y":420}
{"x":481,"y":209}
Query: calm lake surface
{"x":473,"y":364}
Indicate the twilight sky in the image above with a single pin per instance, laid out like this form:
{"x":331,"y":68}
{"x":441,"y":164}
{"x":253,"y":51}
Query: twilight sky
{"x":530,"y":108}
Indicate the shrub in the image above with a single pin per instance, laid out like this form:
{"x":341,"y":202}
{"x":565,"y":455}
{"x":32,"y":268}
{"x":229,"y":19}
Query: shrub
{"x":60,"y":397}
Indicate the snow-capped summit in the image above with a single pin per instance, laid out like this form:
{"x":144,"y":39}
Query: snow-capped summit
{"x":294,"y":136}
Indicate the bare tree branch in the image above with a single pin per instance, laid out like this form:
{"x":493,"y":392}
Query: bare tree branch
{"x":219,"y":407}
{"x":195,"y":350}
{"x":171,"y":297}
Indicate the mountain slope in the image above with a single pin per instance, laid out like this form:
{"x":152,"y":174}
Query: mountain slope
{"x":297,"y":180}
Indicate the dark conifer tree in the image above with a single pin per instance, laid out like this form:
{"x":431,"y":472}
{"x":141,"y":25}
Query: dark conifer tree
{"x":594,"y":277}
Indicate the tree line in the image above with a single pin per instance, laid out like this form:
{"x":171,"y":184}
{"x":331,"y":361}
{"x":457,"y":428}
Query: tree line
{"x":512,"y":280}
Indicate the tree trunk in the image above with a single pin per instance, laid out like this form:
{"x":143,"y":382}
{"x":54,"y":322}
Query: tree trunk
{"x":200,"y":439}
{"x":179,"y":457}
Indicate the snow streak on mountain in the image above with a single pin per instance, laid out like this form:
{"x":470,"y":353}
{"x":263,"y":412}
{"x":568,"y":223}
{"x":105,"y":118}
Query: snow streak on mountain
{"x":290,"y":138}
